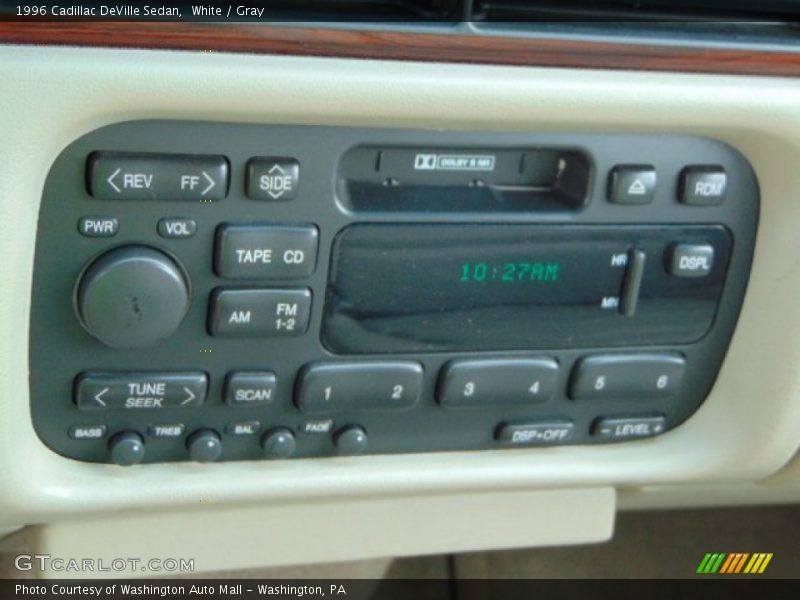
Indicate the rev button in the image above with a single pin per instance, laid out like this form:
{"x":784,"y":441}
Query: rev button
{"x":140,"y":390}
{"x":144,"y":176}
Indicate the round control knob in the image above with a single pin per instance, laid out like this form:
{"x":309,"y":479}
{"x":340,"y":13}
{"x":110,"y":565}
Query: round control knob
{"x":127,"y":448}
{"x":204,"y":446}
{"x":278,"y":443}
{"x":132,"y":297}
{"x":350,"y":440}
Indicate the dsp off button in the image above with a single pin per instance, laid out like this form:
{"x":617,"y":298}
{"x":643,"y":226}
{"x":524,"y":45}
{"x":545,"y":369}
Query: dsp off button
{"x":690,"y":260}
{"x":384,"y":385}
{"x":627,"y":376}
{"x":266,"y":251}
{"x":628,"y":428}
{"x":259,"y":312}
{"x":272,"y":178}
{"x":250,"y":388}
{"x":535,"y":433}
{"x":703,"y":185}
{"x":142,"y":176}
{"x":497,"y":381}
{"x":107,"y":391}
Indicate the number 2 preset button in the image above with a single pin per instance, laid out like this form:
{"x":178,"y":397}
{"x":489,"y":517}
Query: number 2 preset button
{"x":385,"y":385}
{"x":627,"y":376}
{"x":497,"y":381}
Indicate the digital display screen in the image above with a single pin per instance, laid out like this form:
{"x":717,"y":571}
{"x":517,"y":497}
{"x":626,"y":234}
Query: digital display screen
{"x":398,"y":288}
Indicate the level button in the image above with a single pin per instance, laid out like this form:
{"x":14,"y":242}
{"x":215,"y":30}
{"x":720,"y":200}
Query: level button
{"x":133,"y":391}
{"x":266,"y":251}
{"x":144,"y":176}
{"x":624,"y":428}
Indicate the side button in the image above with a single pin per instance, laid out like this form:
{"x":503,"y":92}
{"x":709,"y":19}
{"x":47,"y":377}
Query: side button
{"x":624,"y":428}
{"x":535,"y":433}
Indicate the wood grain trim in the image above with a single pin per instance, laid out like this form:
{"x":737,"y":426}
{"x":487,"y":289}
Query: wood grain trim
{"x":307,"y":41}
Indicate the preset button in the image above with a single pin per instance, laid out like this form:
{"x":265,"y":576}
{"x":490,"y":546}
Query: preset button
{"x":497,"y":381}
{"x":627,"y":376}
{"x":385,"y":385}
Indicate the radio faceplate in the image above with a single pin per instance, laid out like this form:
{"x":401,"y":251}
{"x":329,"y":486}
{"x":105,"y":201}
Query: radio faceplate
{"x":225,"y":291}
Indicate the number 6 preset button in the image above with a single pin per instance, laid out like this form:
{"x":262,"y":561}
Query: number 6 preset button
{"x":627,"y":376}
{"x":384,"y":385}
{"x":497,"y":381}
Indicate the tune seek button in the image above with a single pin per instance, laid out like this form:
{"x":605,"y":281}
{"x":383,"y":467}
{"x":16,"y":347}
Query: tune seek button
{"x":136,"y":391}
{"x":535,"y":433}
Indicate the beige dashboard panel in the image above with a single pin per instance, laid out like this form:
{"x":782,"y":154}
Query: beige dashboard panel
{"x":748,"y":428}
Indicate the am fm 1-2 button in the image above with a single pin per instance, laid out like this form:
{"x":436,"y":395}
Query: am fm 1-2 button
{"x":259,"y":312}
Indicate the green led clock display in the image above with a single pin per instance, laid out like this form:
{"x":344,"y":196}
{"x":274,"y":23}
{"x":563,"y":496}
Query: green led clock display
{"x":511,"y":272}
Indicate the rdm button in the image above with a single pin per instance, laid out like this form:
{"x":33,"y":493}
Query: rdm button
{"x":266,"y":251}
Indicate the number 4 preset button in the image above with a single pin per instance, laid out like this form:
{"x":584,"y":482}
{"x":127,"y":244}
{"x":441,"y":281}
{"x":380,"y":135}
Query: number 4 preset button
{"x":497,"y":381}
{"x":385,"y":385}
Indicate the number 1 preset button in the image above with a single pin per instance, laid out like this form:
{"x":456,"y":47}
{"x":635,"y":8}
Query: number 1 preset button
{"x":497,"y":381}
{"x":384,"y":385}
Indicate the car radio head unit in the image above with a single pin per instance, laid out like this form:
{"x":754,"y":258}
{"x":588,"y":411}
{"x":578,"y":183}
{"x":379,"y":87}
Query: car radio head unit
{"x":210,"y":291}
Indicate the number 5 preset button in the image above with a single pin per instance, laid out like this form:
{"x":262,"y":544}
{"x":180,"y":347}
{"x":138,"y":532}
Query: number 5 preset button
{"x":497,"y":381}
{"x":627,"y":376}
{"x":385,"y":385}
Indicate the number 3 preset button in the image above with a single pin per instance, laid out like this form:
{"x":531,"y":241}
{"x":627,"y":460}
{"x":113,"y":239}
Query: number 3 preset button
{"x":497,"y":381}
{"x":385,"y":385}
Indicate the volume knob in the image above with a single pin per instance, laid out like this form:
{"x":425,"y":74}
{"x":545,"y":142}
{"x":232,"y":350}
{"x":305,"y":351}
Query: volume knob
{"x":133,"y":297}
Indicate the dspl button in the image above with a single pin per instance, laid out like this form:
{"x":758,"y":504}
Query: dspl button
{"x":266,"y":251}
{"x":690,"y":260}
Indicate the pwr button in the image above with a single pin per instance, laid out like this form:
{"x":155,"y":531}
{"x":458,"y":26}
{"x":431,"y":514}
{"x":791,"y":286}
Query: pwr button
{"x":691,"y":260}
